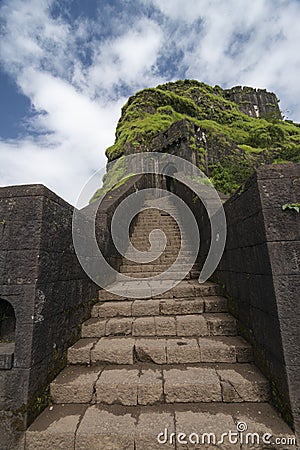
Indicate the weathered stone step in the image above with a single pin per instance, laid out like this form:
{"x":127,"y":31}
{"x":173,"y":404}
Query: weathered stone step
{"x":187,"y":288}
{"x":207,"y":324}
{"x":156,"y":307}
{"x":173,"y":242}
{"x":152,"y":385}
{"x":168,"y":231}
{"x":166,"y":256}
{"x":130,"y":350}
{"x":116,"y":427}
{"x":172,"y":275}
{"x":130,"y":268}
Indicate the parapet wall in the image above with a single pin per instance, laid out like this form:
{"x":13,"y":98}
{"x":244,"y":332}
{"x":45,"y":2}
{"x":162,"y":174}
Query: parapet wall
{"x":50,"y":294}
{"x":260,"y":274}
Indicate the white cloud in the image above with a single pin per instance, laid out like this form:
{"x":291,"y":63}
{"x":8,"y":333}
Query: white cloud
{"x":237,"y":42}
{"x":75,"y":77}
{"x":129,"y":58}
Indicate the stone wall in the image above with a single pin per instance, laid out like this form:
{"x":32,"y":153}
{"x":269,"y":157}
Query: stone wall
{"x":259,"y":272}
{"x":50,"y":294}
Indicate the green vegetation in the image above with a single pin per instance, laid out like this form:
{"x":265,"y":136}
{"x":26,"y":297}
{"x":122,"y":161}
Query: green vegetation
{"x":245,"y":142}
{"x":293,"y":206}
{"x":113,"y":179}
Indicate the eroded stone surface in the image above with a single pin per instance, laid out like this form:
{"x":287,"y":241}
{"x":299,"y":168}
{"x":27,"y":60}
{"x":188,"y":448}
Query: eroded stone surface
{"x":182,"y":350}
{"x":191,"y":325}
{"x":80,"y":352}
{"x":113,"y":350}
{"x":102,"y":430}
{"x":192,"y":384}
{"x":112,"y":309}
{"x":151,"y":350}
{"x":150,"y":387}
{"x":150,"y":431}
{"x":55,"y":428}
{"x":75,"y":385}
{"x":118,"y":386}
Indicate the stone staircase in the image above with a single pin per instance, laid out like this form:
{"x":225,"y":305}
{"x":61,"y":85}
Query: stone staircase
{"x":172,"y":363}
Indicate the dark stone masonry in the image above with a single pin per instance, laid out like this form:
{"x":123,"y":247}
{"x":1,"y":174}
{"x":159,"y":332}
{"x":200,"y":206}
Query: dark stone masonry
{"x":259,"y":273}
{"x":50,"y":295}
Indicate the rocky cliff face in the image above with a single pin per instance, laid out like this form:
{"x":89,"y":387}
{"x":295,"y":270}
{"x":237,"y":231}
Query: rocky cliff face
{"x":226,"y":133}
{"x":254,"y":102}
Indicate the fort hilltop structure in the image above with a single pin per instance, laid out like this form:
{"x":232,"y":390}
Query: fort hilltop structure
{"x":82,"y":368}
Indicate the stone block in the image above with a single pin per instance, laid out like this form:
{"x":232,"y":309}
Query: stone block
{"x":103,"y":430}
{"x":150,"y":430}
{"x":151,"y":350}
{"x":145,"y":307}
{"x":75,"y":385}
{"x":182,"y":306}
{"x":93,"y":328}
{"x":119,"y":326}
{"x":80,"y":352}
{"x":112,"y":309}
{"x":165,"y":326}
{"x":118,"y":386}
{"x":216,"y":351}
{"x":215,"y":304}
{"x":150,"y":387}
{"x":244,"y":384}
{"x":144,"y":326}
{"x":182,"y":350}
{"x":113,"y":351}
{"x":221,"y":324}
{"x":55,"y":428}
{"x":191,"y":325}
{"x":192,"y":384}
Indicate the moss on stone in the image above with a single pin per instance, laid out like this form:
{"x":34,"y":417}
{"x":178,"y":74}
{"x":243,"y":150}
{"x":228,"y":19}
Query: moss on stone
{"x":154,"y":110}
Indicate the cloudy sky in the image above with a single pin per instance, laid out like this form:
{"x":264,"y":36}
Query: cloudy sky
{"x":67,"y":67}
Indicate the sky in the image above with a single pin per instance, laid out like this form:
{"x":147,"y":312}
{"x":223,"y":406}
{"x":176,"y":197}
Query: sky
{"x":68,"y":66}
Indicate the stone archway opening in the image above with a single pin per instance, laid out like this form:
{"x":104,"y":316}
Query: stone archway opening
{"x":7,"y":322}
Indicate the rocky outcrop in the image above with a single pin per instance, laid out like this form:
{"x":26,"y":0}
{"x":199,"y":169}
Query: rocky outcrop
{"x":254,"y":102}
{"x":227,"y":133}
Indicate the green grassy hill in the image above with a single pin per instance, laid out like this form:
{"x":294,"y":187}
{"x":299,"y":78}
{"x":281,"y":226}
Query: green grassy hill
{"x":237,"y":135}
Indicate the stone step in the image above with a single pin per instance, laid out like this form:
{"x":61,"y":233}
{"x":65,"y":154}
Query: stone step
{"x":171,"y":275}
{"x":161,"y":261}
{"x":181,"y":350}
{"x":130,"y":268}
{"x":166,"y":257}
{"x":175,"y":241}
{"x":160,"y":307}
{"x":145,"y":231}
{"x":149,"y":385}
{"x":180,"y":426}
{"x":207,"y":324}
{"x":184,"y":289}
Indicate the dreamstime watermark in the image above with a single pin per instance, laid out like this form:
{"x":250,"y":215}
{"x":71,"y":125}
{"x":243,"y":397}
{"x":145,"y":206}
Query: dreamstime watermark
{"x":238,"y":437}
{"x":156,"y":165}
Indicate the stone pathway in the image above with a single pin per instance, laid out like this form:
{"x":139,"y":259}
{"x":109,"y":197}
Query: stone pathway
{"x":146,"y":369}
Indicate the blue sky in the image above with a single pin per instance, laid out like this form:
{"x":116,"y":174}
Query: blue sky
{"x":67,"y":67}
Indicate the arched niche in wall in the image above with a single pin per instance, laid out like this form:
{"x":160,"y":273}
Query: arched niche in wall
{"x":7,"y":334}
